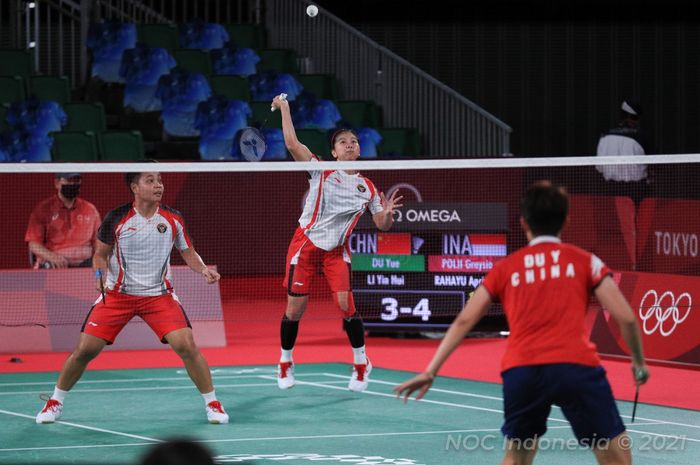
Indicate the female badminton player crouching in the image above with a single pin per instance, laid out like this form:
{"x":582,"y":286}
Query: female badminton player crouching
{"x":134,"y":245}
{"x":336,"y":200}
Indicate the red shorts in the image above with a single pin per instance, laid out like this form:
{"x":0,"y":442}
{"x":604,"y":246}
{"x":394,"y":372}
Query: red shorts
{"x":304,"y":260}
{"x":163,"y":313}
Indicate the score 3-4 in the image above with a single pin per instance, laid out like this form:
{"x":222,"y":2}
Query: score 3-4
{"x":391,"y":309}
{"x":406,"y":306}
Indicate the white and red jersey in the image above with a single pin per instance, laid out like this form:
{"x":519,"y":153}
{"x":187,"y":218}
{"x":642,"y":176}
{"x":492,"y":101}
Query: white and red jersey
{"x":334,"y":205}
{"x":544,"y":289}
{"x":140,"y":260}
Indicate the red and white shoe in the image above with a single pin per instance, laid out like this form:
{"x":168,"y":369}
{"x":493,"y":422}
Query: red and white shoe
{"x":360,"y":377}
{"x":51,"y":412}
{"x":216,"y":413}
{"x":285,"y":375}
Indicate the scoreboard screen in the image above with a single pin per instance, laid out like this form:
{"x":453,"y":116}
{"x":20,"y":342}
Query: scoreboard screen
{"x":419,"y":275}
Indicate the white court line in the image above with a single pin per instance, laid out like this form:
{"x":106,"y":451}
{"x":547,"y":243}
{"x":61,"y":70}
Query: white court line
{"x":284,"y":438}
{"x":138,"y":380}
{"x":471,"y":407}
{"x":433,"y":389}
{"x":647,"y":433}
{"x":393,"y":396}
{"x":91,"y":428}
{"x":156,"y":388}
{"x":27,"y":449}
{"x":659,"y":422}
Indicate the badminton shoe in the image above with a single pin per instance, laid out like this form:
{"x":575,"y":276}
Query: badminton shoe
{"x":360,"y":376}
{"x":51,"y":412}
{"x":216,"y":413}
{"x":285,"y":375}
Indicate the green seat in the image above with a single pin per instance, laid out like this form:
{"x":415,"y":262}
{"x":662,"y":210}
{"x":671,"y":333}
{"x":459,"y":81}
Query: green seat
{"x":16,"y":62}
{"x":12,"y":89}
{"x":231,"y":87}
{"x":56,"y":88}
{"x":320,"y":85}
{"x":247,"y":35}
{"x":85,"y":117}
{"x":159,"y":36}
{"x":195,"y":61}
{"x":121,"y":146}
{"x":359,"y":113}
{"x":278,"y":59}
{"x":317,"y":141}
{"x":261,"y":112}
{"x":72,"y":146}
{"x":399,"y":142}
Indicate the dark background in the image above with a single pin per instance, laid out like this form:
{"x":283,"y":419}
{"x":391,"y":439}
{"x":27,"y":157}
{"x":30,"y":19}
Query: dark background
{"x":556,"y":72}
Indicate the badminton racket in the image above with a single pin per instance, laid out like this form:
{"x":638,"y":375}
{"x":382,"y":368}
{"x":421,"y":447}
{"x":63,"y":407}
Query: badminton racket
{"x":98,"y":274}
{"x":640,"y":376}
{"x":251,"y":141}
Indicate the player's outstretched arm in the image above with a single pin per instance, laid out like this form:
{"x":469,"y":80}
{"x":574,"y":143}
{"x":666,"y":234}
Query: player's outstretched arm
{"x":614,"y":302}
{"x":476,"y":308}
{"x":194,"y":261}
{"x":299,"y":151}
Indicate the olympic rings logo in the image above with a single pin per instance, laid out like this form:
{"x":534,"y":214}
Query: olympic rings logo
{"x":664,"y":308}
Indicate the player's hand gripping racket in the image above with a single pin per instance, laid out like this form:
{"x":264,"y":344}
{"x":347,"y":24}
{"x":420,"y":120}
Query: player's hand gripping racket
{"x":641,"y":374}
{"x":252,"y":141}
{"x":98,"y":274}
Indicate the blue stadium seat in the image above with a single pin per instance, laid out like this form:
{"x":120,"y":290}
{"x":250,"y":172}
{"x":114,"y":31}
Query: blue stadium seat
{"x":38,"y":117}
{"x":368,"y":138}
{"x":180,"y":92}
{"x":141,"y":68}
{"x":198,"y":34}
{"x":232,"y":60}
{"x":268,"y":84}
{"x":107,"y":41}
{"x":218,"y":120}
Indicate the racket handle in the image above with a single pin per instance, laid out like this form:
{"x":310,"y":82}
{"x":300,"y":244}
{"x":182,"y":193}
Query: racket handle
{"x":282,"y":97}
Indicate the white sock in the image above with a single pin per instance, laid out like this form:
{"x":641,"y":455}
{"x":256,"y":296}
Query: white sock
{"x":286,"y":355}
{"x":59,"y":394}
{"x":359,"y":354}
{"x":209,"y":397}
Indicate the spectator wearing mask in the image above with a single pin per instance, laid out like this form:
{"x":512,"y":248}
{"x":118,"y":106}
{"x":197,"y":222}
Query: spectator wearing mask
{"x":62,"y":229}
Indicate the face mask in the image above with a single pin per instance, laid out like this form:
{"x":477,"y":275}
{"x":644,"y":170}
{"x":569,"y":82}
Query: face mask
{"x":70,"y":191}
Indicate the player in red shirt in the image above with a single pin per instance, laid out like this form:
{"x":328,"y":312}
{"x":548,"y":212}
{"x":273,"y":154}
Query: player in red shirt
{"x":62,"y":228}
{"x":133,"y":251}
{"x":336,"y":200}
{"x":544,"y":289}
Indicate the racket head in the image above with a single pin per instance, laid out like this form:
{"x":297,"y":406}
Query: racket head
{"x":251,"y":144}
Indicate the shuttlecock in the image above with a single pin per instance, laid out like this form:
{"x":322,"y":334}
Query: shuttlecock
{"x":312,"y":10}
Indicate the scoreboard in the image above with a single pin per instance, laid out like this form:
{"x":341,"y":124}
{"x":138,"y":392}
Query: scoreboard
{"x":419,"y":275}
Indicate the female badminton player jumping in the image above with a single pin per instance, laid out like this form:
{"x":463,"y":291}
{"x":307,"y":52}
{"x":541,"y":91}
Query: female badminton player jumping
{"x":336,"y":200}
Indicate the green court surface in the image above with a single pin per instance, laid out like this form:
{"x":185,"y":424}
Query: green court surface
{"x":112,"y":417}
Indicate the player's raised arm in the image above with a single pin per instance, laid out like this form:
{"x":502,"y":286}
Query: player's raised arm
{"x":299,"y":151}
{"x":614,"y":302}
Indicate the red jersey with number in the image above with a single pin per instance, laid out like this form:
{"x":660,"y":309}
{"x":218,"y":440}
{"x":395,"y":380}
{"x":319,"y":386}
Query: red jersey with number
{"x":545,"y":289}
